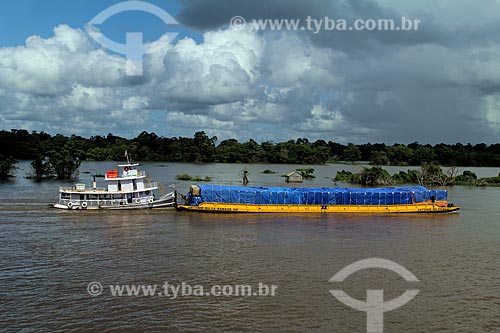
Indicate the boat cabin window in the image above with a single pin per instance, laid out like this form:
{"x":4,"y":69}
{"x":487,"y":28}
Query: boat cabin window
{"x":65,"y":196}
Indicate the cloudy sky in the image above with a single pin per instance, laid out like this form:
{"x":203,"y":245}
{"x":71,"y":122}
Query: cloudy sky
{"x":438,"y":84}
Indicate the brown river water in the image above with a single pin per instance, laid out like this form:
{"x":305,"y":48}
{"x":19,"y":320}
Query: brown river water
{"x":49,"y":257}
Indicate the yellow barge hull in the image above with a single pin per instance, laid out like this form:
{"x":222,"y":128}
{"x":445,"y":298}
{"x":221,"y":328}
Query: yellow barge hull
{"x":217,"y":207}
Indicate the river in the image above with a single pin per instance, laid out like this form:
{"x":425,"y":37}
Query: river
{"x":50,"y":258}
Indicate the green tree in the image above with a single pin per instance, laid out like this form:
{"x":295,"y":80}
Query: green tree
{"x":379,"y":158}
{"x":467,"y":178}
{"x":62,"y":162}
{"x":41,"y":169}
{"x":7,"y":164}
{"x":406,"y":177}
{"x":399,"y":154}
{"x":344,"y":176}
{"x":432,"y":174}
{"x":204,"y":147}
{"x":352,"y":153}
{"x":422,"y":154}
{"x":307,"y":173}
{"x":229,"y":151}
{"x":375,"y":176}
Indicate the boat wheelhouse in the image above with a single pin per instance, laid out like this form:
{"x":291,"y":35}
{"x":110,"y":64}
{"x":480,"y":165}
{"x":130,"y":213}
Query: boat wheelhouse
{"x":126,"y":188}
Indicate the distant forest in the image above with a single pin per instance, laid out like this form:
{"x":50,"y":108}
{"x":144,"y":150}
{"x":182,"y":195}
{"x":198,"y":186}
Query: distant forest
{"x":23,"y":145}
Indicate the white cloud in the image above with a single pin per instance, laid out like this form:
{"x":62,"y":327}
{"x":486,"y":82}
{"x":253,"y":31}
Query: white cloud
{"x":51,"y":66}
{"x":491,"y":107}
{"x":244,"y":84}
{"x":232,"y":81}
{"x":222,"y":69}
{"x":135,"y":103}
{"x":198,"y":121}
{"x":86,"y":99}
{"x":289,"y":61}
{"x":322,"y":120}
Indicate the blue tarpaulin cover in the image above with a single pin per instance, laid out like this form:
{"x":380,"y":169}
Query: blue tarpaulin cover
{"x":315,"y":196}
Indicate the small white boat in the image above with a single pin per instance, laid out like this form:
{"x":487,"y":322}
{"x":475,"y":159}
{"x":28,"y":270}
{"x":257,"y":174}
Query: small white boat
{"x":127,"y":188}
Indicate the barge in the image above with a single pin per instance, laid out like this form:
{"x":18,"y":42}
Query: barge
{"x":238,"y":199}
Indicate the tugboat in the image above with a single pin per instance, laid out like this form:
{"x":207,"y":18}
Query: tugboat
{"x":127,"y":188}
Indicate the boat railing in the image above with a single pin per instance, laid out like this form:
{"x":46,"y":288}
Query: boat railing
{"x":75,"y":189}
{"x":95,"y":202}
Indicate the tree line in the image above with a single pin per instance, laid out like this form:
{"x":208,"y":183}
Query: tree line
{"x":19,"y":144}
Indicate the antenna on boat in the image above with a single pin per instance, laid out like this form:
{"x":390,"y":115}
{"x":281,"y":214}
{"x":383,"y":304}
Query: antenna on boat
{"x":127,"y":157}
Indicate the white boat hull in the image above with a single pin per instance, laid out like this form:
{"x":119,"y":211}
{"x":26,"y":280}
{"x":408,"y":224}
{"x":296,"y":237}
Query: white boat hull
{"x":167,"y":201}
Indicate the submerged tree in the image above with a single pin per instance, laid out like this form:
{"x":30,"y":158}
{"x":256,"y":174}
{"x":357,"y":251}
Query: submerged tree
{"x":344,"y":176}
{"x":65,"y":165}
{"x":468,"y":178}
{"x":61,"y":164}
{"x":432,"y":174}
{"x":40,"y":169}
{"x":6,"y":166}
{"x":375,"y":176}
{"x":307,"y":173}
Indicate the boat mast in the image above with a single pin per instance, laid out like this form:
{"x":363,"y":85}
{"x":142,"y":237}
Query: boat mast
{"x":127,"y":157}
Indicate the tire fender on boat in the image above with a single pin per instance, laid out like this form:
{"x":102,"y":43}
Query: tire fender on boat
{"x":70,"y":205}
{"x":85,"y":205}
{"x":151,"y":200}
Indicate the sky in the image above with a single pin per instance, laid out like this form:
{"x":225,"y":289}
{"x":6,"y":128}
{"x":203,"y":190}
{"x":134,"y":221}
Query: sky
{"x":440,"y":83}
